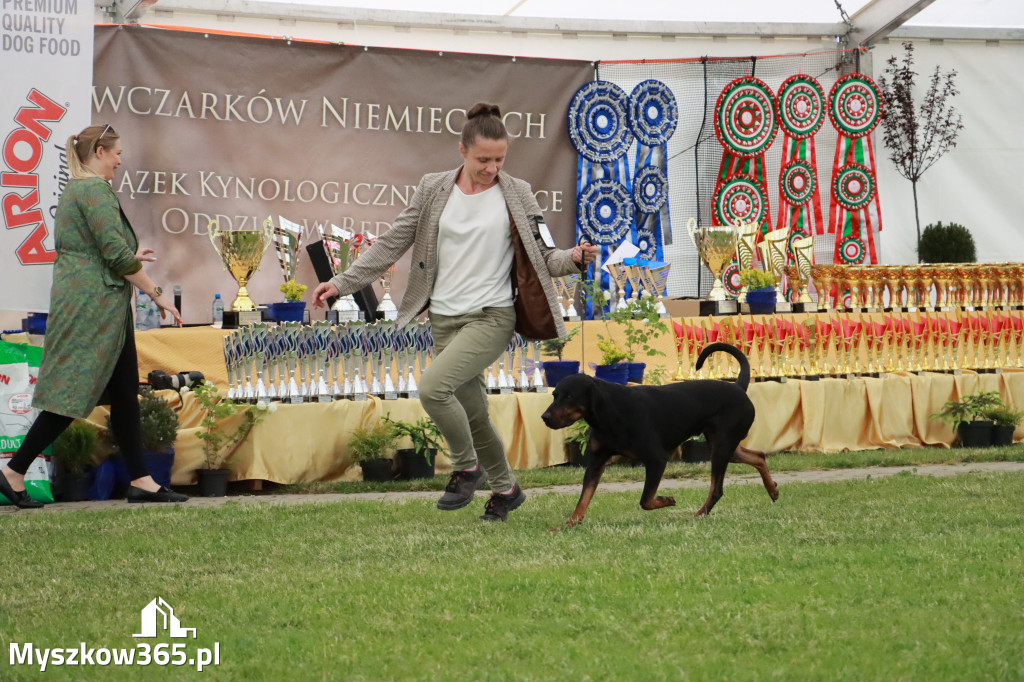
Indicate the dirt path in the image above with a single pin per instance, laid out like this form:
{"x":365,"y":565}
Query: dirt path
{"x":782,"y":478}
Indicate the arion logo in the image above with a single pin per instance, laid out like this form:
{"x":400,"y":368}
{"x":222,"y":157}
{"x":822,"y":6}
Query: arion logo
{"x":158,"y":614}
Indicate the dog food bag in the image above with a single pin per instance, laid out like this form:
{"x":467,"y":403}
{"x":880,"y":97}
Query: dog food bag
{"x":19,"y":370}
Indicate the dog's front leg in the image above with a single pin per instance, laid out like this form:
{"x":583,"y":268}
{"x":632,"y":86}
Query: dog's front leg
{"x":591,"y":478}
{"x":650,"y":499}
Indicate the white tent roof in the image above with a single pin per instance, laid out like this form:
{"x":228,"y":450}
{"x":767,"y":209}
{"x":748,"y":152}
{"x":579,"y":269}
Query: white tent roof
{"x":965,"y":13}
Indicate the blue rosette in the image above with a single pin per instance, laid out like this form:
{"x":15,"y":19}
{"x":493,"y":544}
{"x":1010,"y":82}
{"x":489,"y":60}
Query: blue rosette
{"x":653,"y":113}
{"x":598,"y":122}
{"x":605,"y":211}
{"x":649,"y":189}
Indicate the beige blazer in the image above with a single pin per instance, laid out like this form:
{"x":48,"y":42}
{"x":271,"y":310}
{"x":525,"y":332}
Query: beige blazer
{"x":417,"y":226}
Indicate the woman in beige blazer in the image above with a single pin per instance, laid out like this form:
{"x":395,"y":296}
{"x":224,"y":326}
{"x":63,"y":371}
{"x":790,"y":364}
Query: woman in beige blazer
{"x":482,"y":263}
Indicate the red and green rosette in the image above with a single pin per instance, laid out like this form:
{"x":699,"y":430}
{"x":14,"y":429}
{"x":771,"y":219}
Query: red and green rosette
{"x":855,"y":217}
{"x":801,"y":113}
{"x":746,"y":125}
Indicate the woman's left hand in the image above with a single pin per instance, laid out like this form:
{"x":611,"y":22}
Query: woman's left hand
{"x":584,"y":253}
{"x":145,"y":255}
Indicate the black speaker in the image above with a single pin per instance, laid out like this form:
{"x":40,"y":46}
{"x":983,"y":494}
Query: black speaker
{"x":366,"y":298}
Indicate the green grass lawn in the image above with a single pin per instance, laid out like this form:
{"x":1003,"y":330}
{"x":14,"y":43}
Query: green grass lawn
{"x":900,"y":578}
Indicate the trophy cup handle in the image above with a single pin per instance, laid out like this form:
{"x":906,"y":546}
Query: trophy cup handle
{"x":691,"y":229}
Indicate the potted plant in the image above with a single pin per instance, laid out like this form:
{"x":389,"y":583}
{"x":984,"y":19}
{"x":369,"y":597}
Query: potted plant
{"x":293,"y":307}
{"x":159,"y":424}
{"x":373,"y":448}
{"x":696,"y":450}
{"x":761,"y":294}
{"x":577,"y":440}
{"x":556,"y":370}
{"x":73,"y":453}
{"x":221,"y":444}
{"x":614,"y":365}
{"x":966,"y":417}
{"x":1006,"y":420}
{"x":641,"y":324}
{"x":950,"y":243}
{"x":426,"y":438}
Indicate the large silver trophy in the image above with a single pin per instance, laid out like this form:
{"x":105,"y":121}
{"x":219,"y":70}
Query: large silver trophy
{"x":336,"y":243}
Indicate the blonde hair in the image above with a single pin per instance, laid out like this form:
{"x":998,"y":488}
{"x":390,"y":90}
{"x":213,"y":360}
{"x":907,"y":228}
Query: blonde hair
{"x":83,"y":145}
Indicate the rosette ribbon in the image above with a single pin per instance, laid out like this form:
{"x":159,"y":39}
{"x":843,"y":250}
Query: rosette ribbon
{"x":653,"y":116}
{"x":801,"y":113}
{"x":599,"y":129}
{"x":855,"y":218}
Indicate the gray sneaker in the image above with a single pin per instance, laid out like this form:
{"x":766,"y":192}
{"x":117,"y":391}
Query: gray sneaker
{"x":459,"y":491}
{"x":499,"y":506}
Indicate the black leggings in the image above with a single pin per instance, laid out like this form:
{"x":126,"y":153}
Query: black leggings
{"x":123,"y":390}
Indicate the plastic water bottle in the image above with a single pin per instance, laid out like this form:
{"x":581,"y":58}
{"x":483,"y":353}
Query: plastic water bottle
{"x":218,"y":312}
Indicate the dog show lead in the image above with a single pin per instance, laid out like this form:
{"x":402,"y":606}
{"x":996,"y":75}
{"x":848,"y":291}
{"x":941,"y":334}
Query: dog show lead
{"x":482,"y":263}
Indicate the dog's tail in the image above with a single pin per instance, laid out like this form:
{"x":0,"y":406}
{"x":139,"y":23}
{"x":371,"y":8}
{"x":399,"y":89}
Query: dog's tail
{"x":743,"y":380}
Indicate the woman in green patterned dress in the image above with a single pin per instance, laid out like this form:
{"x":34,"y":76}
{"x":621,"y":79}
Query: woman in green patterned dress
{"x":90,"y":341}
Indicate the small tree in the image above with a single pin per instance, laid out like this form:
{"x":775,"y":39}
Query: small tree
{"x":917,"y":138}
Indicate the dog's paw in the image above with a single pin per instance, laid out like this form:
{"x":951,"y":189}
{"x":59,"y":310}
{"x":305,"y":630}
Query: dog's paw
{"x":667,"y":501}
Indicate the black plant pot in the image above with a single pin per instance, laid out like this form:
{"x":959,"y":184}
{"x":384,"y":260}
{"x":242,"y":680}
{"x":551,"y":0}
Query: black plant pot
{"x":575,"y":457}
{"x":695,"y":451}
{"x":1002,"y":434}
{"x":72,"y":487}
{"x":976,"y":434}
{"x":412,"y":465}
{"x":213,"y":482}
{"x":379,"y":470}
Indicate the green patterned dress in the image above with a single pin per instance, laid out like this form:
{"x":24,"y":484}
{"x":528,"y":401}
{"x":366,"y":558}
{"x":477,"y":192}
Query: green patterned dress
{"x":90,"y":301}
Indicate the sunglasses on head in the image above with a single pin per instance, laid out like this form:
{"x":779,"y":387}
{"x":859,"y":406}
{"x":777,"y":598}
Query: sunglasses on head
{"x":96,"y":144}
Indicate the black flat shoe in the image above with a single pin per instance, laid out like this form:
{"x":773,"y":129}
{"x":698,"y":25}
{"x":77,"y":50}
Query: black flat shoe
{"x":165,"y":494}
{"x":18,"y":498}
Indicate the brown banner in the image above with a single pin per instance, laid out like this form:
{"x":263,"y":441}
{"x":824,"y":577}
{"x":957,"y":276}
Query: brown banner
{"x":242,"y":128}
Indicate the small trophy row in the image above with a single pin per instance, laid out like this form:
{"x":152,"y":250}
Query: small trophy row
{"x":938,"y":286}
{"x":848,"y":344}
{"x":642,"y":280}
{"x":295,"y":363}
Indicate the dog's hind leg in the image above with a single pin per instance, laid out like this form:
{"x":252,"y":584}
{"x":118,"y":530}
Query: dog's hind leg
{"x":591,"y":478}
{"x":650,"y":499}
{"x":719,"y":464}
{"x":757,"y":460}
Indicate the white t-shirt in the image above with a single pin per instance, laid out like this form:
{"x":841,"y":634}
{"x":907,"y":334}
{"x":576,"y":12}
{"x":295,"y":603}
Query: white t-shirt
{"x":474,"y":254}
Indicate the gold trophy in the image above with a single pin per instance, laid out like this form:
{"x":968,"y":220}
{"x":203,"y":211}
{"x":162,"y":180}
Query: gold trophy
{"x":773,"y":251}
{"x":716,"y":246}
{"x":745,"y":251}
{"x":822,"y":275}
{"x":803,"y":254}
{"x":241,"y":251}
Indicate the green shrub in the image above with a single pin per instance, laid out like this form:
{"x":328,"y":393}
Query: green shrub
{"x":1004,"y":415}
{"x":159,"y":422}
{"x":372,"y":442}
{"x":757,"y":279}
{"x":950,"y":243}
{"x":74,"y":448}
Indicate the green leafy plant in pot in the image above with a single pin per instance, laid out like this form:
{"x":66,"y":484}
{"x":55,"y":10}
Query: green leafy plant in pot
{"x":576,"y":443}
{"x":615,"y":361}
{"x":293,"y":307}
{"x":1005,"y":419}
{"x":761,"y":293}
{"x":556,"y":370}
{"x":967,"y":417}
{"x":373,"y":449}
{"x":73,"y":454}
{"x":426,"y":439}
{"x":641,"y":325}
{"x":221,"y":444}
{"x":159,"y":424}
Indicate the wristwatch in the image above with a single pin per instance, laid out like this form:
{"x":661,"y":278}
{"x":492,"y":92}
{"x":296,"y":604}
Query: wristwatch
{"x":158,"y":292}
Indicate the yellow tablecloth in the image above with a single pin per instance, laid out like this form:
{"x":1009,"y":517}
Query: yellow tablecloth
{"x":308,"y":442}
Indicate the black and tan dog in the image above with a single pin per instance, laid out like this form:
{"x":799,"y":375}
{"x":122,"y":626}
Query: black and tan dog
{"x":647,"y":423}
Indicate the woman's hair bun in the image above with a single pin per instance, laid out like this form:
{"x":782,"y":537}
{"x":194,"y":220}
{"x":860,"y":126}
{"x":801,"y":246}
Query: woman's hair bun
{"x":483,"y":109}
